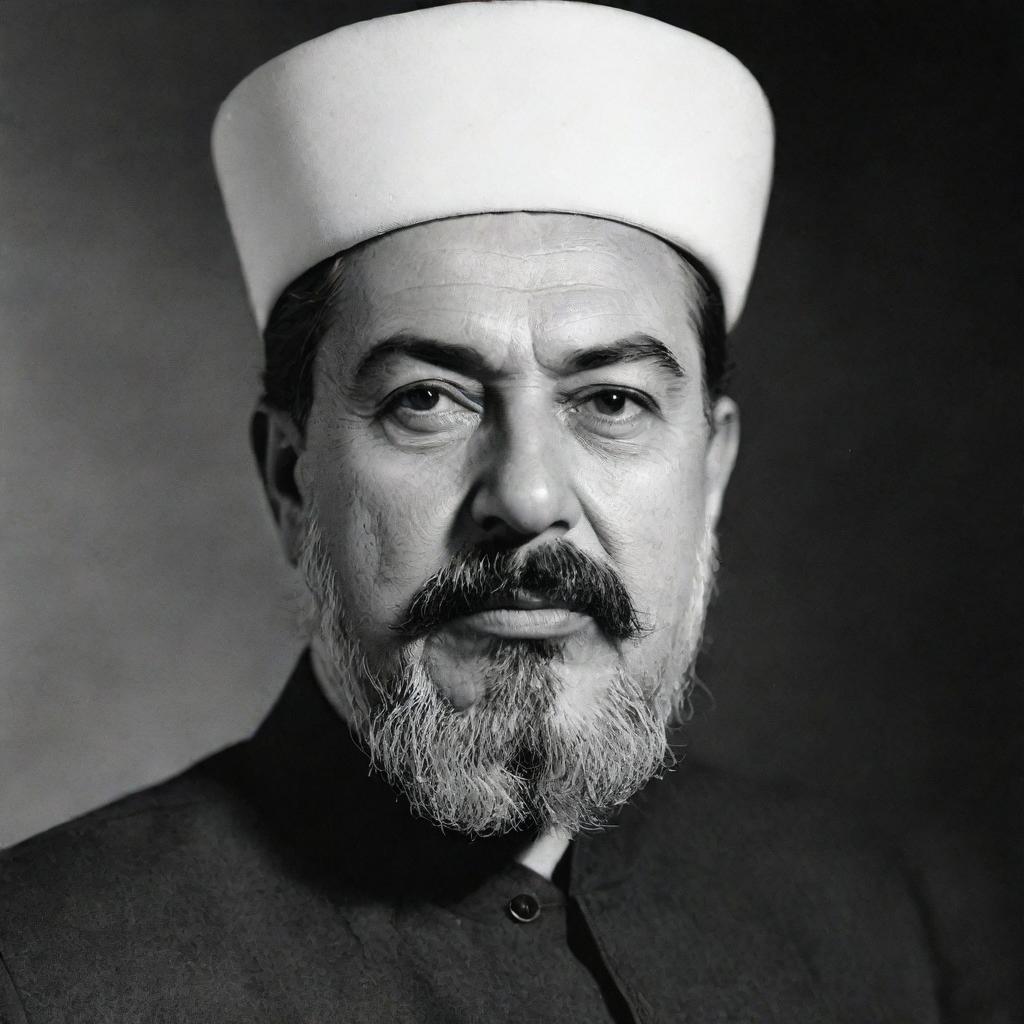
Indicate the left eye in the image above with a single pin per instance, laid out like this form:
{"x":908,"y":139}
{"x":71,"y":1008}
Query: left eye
{"x":613,"y":412}
{"x":611,"y":403}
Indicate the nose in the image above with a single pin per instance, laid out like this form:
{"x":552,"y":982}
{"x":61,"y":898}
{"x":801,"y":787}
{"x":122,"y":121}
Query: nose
{"x":525,"y":489}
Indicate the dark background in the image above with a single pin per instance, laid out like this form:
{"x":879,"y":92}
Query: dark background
{"x":865,"y":641}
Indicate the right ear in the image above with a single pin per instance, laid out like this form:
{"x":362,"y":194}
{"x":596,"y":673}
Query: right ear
{"x":277,"y":444}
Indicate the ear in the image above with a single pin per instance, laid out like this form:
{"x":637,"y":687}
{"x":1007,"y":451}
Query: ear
{"x":720,"y":456}
{"x":277,"y":444}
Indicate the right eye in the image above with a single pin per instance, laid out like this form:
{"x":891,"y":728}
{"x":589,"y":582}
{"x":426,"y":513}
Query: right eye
{"x":419,"y":399}
{"x":431,"y":407}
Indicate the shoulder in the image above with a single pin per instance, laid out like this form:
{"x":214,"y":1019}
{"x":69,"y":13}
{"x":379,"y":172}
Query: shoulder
{"x":133,"y":901}
{"x":809,"y":854}
{"x":131,"y":833}
{"x":181,"y":896}
{"x":123,"y":859}
{"x":804,"y":873}
{"x":732,"y":823}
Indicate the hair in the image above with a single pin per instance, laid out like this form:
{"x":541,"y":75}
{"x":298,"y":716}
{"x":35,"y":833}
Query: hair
{"x":306,"y":309}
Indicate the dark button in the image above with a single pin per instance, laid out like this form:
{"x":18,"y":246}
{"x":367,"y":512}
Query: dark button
{"x":524,"y":908}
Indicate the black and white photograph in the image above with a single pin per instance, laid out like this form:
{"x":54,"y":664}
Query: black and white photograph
{"x":511,"y":511}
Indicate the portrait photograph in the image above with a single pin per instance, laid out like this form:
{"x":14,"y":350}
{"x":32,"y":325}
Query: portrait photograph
{"x":510,"y":510}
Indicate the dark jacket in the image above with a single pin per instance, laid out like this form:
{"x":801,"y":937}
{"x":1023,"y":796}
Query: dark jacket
{"x":279,"y":881}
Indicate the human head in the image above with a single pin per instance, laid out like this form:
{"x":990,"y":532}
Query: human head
{"x":539,"y":434}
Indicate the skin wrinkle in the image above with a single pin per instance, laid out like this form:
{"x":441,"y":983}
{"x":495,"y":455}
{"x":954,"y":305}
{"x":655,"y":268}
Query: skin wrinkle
{"x":472,"y":255}
{"x":392,"y":505}
{"x":648,"y":354}
{"x":527,"y":290}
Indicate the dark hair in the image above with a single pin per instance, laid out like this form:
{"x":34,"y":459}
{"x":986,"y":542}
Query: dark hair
{"x":306,"y":308}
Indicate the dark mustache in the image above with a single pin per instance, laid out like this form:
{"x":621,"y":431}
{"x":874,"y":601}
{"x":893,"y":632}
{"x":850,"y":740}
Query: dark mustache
{"x":560,"y":572}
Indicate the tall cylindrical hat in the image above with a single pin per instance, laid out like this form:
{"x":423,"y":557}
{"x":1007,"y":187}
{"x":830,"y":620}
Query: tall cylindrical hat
{"x":534,"y":105}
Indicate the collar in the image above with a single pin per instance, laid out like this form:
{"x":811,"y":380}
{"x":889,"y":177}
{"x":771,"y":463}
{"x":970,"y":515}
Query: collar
{"x":342,"y":822}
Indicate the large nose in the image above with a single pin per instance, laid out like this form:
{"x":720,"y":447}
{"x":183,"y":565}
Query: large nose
{"x":525,"y":488}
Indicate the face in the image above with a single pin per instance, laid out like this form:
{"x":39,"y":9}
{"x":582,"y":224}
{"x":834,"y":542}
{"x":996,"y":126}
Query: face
{"x":497,"y":390}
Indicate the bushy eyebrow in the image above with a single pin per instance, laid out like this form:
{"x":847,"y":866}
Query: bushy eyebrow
{"x":632,"y":349}
{"x":460,"y":358}
{"x":467,"y":360}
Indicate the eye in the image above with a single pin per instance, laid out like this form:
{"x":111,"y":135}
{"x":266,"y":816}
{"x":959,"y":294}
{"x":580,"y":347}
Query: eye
{"x":614,"y":403}
{"x":613,"y":412}
{"x":610,"y":403}
{"x":419,"y":399}
{"x":429,"y":407}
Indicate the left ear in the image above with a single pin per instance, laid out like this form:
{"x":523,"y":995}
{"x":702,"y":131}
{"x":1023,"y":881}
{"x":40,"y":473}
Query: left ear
{"x":720,"y":456}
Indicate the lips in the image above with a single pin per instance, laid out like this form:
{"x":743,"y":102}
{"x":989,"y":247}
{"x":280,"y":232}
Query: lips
{"x":524,"y":614}
{"x":525,"y":600}
{"x":544,"y":623}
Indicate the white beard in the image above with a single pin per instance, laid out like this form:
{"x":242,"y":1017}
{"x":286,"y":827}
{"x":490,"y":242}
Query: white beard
{"x":516,"y":757}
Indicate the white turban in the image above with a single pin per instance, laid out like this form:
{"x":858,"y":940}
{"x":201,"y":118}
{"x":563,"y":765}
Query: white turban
{"x":532,"y":105}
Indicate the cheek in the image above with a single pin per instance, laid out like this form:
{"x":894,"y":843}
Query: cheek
{"x":386,"y":528}
{"x":654,"y":524}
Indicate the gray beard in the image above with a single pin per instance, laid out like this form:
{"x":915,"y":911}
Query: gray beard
{"x":515,"y":758}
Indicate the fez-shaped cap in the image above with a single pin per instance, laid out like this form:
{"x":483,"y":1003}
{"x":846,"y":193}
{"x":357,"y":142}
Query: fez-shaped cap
{"x":535,"y":105}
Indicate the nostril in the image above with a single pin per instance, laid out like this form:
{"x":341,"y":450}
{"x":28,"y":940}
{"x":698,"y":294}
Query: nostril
{"x":501,"y":534}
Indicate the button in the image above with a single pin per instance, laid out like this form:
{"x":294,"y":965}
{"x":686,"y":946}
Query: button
{"x":524,"y":908}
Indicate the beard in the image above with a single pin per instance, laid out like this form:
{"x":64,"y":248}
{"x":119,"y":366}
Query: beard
{"x":518,"y":757}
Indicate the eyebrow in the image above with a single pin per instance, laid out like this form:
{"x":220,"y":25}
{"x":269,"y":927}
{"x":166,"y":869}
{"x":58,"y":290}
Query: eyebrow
{"x":633,"y":348}
{"x":452,"y":357}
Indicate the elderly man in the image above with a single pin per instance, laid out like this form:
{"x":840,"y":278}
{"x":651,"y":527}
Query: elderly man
{"x":494,"y":251}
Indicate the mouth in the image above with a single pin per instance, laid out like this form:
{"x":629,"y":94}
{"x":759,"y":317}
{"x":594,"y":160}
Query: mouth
{"x":524,"y":600}
{"x":524,"y":615}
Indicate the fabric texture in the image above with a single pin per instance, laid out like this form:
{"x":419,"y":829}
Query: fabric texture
{"x":492,"y":107}
{"x":281,"y":881}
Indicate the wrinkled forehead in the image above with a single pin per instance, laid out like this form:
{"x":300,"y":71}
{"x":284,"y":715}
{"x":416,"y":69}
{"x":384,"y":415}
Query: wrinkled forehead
{"x":554,"y":277}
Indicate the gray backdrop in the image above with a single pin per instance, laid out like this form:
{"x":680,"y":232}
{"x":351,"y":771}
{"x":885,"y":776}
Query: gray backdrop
{"x":864,"y":642}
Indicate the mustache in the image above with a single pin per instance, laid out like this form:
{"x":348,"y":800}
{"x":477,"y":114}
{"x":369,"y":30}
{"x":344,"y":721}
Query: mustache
{"x":560,"y":572}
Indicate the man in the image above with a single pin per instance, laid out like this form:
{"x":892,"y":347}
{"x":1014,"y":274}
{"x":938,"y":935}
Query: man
{"x":494,"y":251}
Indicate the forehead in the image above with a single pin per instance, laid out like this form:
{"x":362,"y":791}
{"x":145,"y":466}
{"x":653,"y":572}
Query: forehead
{"x":548,"y":278}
